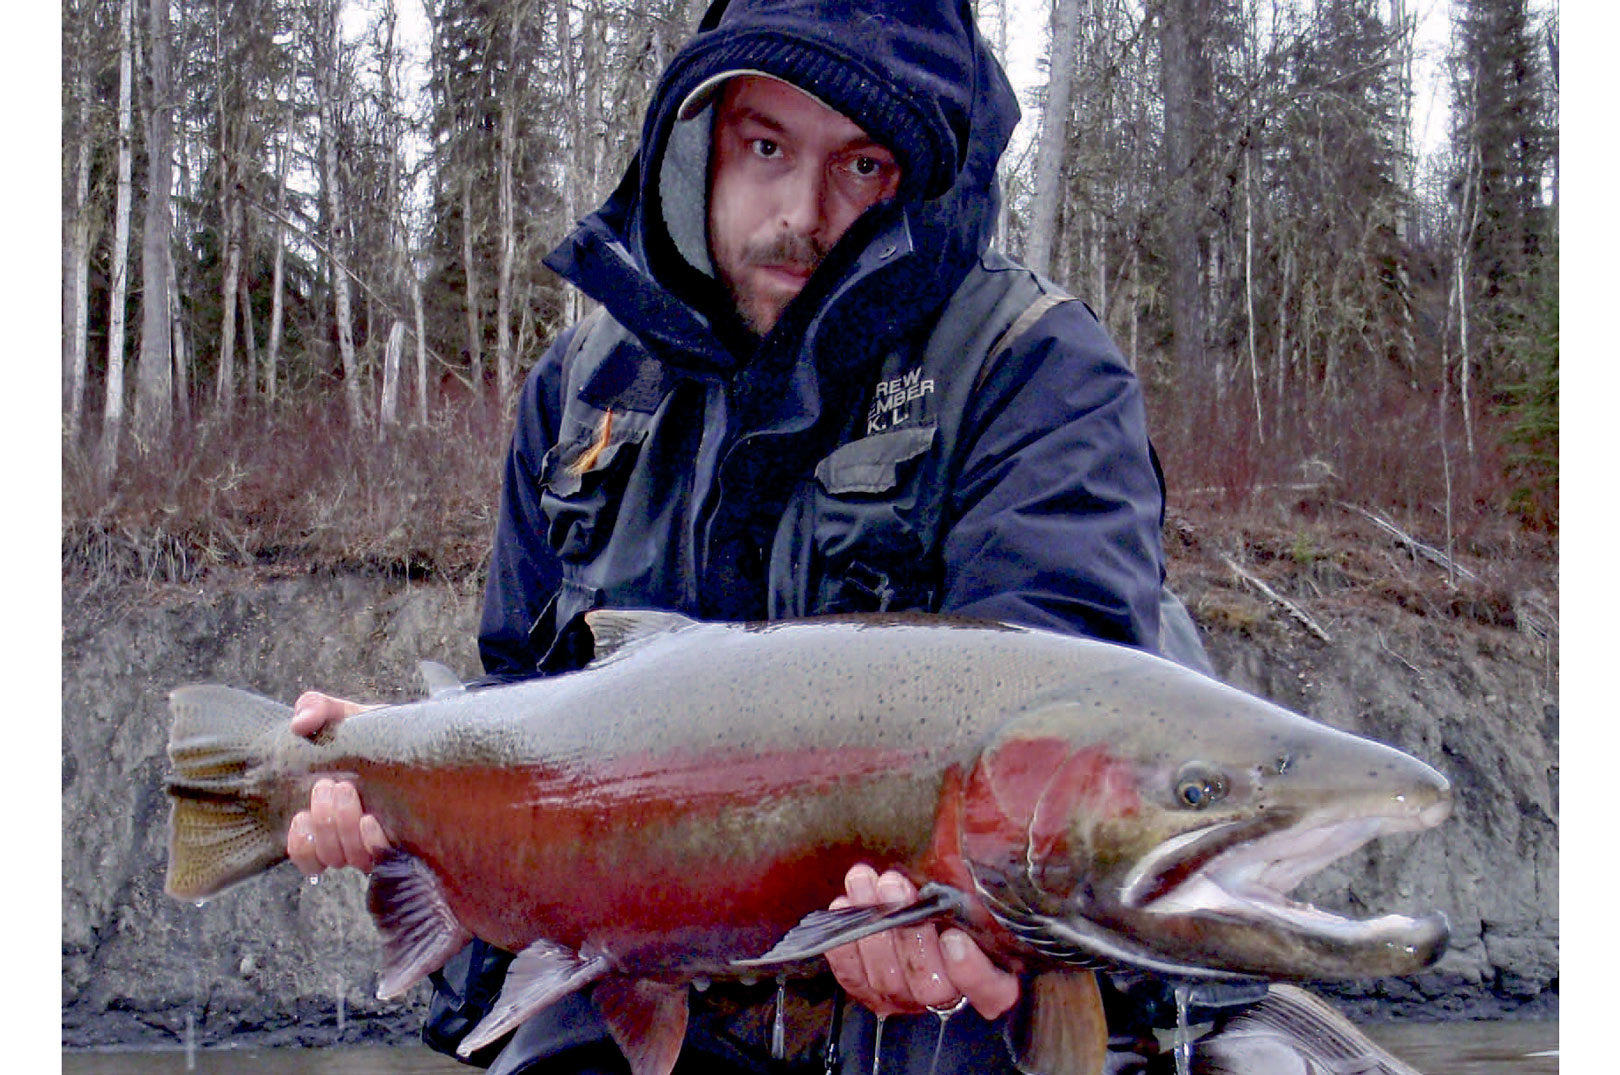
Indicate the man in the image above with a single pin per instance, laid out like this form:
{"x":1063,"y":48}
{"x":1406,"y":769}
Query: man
{"x":812,"y":389}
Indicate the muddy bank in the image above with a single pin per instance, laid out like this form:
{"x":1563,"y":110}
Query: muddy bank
{"x":279,"y":960}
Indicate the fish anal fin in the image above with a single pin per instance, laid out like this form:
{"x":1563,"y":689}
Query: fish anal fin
{"x":647,"y":1020}
{"x":821,"y":931}
{"x":542,"y":974}
{"x":1059,"y":1028}
{"x":419,"y":930}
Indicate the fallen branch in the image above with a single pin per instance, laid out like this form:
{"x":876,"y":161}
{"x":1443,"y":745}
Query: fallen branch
{"x":1428,"y":552}
{"x":1272,"y":595}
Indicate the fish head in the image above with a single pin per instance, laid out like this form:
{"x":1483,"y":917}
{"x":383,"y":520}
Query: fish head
{"x":1160,"y":821}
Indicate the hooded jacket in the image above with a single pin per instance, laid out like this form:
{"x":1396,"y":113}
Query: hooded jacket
{"x":664,"y":457}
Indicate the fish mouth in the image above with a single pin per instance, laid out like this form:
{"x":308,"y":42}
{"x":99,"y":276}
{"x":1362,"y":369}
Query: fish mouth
{"x":1235,"y":877}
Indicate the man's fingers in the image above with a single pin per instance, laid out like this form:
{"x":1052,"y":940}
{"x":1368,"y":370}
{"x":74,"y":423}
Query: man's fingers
{"x":314,"y":711}
{"x":322,"y":811}
{"x":845,"y":962}
{"x":987,"y":987}
{"x":301,"y":844}
{"x":346,"y":819}
{"x":879,"y":959}
{"x":371,"y":832}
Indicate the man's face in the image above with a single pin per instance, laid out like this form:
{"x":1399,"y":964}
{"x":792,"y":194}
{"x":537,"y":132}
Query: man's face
{"x":788,"y":176}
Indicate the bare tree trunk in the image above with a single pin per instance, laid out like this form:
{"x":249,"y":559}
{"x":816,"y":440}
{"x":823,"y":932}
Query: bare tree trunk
{"x":1180,"y":59}
{"x":393,"y":356}
{"x":181,"y":351}
{"x":504,"y":365}
{"x":112,"y":422}
{"x":76,"y":355}
{"x":230,"y":221}
{"x":475,"y":351}
{"x":421,"y":352}
{"x":331,"y":40}
{"x":250,"y":342}
{"x":1248,"y":288}
{"x":154,"y":386}
{"x":272,"y":349}
{"x":1043,"y":221}
{"x":575,"y":126}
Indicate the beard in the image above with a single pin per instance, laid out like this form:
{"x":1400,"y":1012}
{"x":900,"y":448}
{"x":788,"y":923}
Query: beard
{"x":759,"y":308}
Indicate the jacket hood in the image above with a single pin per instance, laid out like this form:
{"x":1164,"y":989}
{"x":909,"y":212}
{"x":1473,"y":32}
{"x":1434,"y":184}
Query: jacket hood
{"x":915,"y":74}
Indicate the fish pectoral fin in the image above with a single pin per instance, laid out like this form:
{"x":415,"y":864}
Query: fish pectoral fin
{"x":541,"y":975}
{"x":647,"y":1019}
{"x":1059,"y":1028}
{"x":822,"y":931}
{"x":438,"y":679}
{"x":419,"y":930}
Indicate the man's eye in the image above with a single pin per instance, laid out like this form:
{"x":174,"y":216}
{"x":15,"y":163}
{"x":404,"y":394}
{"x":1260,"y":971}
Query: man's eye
{"x":764,"y":147}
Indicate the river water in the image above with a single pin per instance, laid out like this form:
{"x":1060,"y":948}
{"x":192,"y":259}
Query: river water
{"x":1500,"y":1048}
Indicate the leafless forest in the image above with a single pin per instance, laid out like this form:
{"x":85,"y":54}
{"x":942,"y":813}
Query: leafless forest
{"x":301,"y":269}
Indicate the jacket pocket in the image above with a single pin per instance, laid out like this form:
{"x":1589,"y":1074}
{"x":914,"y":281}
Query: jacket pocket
{"x":871,"y":525}
{"x":873,"y":465}
{"x":582,"y":481}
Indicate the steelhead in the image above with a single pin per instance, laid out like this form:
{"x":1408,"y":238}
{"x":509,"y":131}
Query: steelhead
{"x":688,"y":804}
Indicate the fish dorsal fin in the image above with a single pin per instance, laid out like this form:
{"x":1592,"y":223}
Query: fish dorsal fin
{"x":419,"y":930}
{"x":617,"y":630}
{"x":541,"y":975}
{"x":439,"y":679}
{"x":821,"y":931}
{"x":647,"y":1019}
{"x":1059,"y":1028}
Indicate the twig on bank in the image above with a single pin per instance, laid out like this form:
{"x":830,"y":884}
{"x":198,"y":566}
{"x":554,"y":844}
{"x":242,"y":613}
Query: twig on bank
{"x":1272,"y":595}
{"x":1428,"y":552}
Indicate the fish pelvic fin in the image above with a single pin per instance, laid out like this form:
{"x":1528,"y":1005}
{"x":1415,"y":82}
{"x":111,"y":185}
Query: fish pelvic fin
{"x":821,"y":931}
{"x":1059,"y":1027}
{"x":647,"y":1020}
{"x":419,"y":930}
{"x":541,"y":975}
{"x":223,"y":827}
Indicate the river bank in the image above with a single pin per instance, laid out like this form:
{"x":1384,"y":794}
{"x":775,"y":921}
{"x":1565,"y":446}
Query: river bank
{"x":1468,"y":683}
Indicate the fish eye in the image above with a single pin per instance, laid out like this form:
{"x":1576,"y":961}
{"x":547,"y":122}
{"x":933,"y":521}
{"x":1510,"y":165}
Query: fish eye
{"x":1198,"y":786}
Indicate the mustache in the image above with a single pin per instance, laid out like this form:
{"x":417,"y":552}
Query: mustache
{"x":791,"y":249}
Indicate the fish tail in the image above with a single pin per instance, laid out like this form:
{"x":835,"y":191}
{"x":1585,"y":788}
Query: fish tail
{"x":224,"y":824}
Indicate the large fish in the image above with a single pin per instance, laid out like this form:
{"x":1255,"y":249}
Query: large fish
{"x":688,"y":805}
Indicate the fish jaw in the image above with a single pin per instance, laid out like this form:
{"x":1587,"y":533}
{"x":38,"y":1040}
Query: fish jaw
{"x":1234,"y":901}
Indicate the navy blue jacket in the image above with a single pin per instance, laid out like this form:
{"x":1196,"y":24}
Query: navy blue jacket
{"x":1050,"y":515}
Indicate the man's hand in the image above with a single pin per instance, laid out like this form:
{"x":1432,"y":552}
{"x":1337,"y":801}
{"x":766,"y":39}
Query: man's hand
{"x":916,"y":968}
{"x":333,"y":832}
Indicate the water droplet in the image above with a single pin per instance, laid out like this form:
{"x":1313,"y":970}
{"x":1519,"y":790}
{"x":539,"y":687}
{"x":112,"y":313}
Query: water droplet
{"x":944,"y":1014}
{"x":877,"y":1046}
{"x":779,"y":1021}
{"x":314,"y":880}
{"x":198,"y":903}
{"x":701,"y":984}
{"x":1183,"y":1033}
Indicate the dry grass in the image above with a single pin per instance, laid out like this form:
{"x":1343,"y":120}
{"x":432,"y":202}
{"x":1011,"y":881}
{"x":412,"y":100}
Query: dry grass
{"x":300,"y":493}
{"x":297,"y":490}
